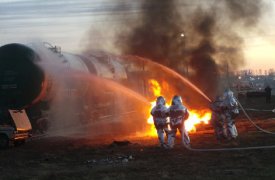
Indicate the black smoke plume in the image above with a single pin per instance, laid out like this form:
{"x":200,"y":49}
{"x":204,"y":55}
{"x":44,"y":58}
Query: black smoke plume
{"x":158,"y":37}
{"x":199,"y":39}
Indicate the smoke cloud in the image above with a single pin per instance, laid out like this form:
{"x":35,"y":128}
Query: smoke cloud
{"x":199,"y":39}
{"x":82,"y":104}
{"x":158,"y":37}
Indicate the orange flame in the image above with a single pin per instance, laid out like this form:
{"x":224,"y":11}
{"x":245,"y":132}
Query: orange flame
{"x":155,"y":87}
{"x":156,"y":90}
{"x":195,"y":117}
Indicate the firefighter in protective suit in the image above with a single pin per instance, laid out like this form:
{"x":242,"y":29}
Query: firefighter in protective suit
{"x":178,"y":114}
{"x":160,"y":114}
{"x":217,"y":117}
{"x":230,"y":111}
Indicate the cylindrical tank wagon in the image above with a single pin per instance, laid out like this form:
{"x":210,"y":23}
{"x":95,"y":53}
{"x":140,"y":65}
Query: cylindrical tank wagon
{"x":25,"y":83}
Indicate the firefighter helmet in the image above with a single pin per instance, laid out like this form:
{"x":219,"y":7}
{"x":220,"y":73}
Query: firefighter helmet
{"x":176,"y":100}
{"x":160,"y":100}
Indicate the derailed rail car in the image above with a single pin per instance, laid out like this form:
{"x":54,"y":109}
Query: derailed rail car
{"x":24,"y":83}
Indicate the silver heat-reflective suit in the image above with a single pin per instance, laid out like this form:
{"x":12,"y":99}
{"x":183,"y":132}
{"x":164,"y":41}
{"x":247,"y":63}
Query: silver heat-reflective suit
{"x":217,"y":118}
{"x":160,"y":114}
{"x":178,"y":114}
{"x":230,"y":111}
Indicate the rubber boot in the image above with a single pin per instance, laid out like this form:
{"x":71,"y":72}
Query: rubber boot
{"x":161,"y":138}
{"x":171,"y":140}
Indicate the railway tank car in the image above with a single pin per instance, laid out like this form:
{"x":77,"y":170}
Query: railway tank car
{"x":22,"y":81}
{"x":26,"y":84}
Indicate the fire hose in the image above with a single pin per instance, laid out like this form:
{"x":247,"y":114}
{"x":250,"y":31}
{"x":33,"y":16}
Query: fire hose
{"x":238,"y":148}
{"x":264,"y":110}
{"x":228,"y":149}
{"x":253,"y":123}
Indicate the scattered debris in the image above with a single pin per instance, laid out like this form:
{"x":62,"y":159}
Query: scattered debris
{"x":120,"y":143}
{"x":131,"y":157}
{"x":233,"y":171}
{"x":125,"y":160}
{"x":118,"y":159}
{"x":48,"y":157}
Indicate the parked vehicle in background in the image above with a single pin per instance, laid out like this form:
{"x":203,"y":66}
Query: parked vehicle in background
{"x":15,"y":127}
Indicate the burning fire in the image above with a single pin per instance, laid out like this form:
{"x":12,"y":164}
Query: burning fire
{"x":156,"y":90}
{"x":195,"y":116}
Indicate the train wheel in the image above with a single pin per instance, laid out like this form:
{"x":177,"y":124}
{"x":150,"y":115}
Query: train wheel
{"x":4,"y":142}
{"x":19,"y":142}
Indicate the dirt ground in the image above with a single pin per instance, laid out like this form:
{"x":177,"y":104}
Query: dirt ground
{"x":112,"y":157}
